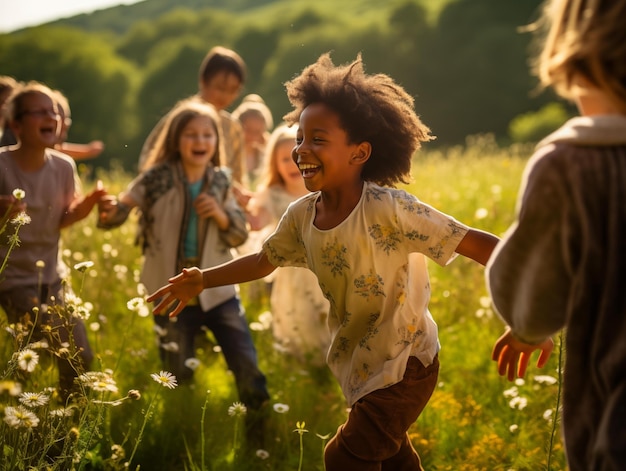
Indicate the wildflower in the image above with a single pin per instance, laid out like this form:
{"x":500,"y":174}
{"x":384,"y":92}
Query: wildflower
{"x":300,"y":428}
{"x":40,"y":264}
{"x":165,"y":378}
{"x":547,"y":415}
{"x":160,"y":331}
{"x":117,"y":452}
{"x":12,"y":387}
{"x":513,"y":428}
{"x":62,"y":412}
{"x":134,"y":394}
{"x":83,"y":266}
{"x":520,"y":381}
{"x":518,"y":403}
{"x":192,"y":363}
{"x":511,"y":392}
{"x":139,"y":306}
{"x":21,"y":219}
{"x":545,"y":379}
{"x":98,"y":381}
{"x":20,"y":417}
{"x":265,"y":318}
{"x":94,"y":326}
{"x":41,"y":344}
{"x":281,"y":408}
{"x":170,"y":347}
{"x":262,"y":454}
{"x":237,"y":410}
{"x":27,"y":360}
{"x":33,"y":399}
{"x":256,"y":327}
{"x":19,"y":194}
{"x":481,"y":213}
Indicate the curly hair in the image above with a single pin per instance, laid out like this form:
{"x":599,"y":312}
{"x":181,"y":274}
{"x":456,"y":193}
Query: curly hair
{"x":370,"y":108}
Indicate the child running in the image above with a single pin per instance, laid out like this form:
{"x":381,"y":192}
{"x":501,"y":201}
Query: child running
{"x":563,"y":262}
{"x":190,"y":217}
{"x":366,"y":242}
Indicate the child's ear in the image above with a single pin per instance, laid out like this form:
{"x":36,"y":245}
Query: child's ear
{"x":362,"y":153}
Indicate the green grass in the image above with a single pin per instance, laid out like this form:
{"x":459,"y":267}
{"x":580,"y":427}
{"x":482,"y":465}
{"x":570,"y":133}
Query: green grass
{"x":474,"y":421}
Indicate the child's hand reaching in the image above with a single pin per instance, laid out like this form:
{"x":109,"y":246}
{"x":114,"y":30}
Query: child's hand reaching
{"x":513,"y":355}
{"x":180,"y":290}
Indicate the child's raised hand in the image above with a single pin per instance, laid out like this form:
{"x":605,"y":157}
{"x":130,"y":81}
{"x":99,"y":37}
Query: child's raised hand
{"x":207,"y":206}
{"x":513,"y":355}
{"x":180,"y":290}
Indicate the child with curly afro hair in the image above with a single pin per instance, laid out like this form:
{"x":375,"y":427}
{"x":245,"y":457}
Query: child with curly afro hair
{"x":367,"y":244}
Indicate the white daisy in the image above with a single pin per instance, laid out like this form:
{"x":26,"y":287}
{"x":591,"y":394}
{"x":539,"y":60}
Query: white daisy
{"x":165,"y":379}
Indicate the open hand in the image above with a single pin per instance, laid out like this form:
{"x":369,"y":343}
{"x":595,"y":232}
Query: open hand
{"x":180,"y":290}
{"x":513,"y":355}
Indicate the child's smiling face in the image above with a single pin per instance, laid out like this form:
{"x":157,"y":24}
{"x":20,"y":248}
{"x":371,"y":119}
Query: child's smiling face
{"x":37,"y":121}
{"x":323,"y":152}
{"x":198,"y":142}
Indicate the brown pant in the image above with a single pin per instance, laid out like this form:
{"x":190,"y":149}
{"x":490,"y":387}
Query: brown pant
{"x":375,"y":438}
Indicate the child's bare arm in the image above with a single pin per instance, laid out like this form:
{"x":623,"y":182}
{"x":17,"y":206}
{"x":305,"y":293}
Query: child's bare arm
{"x":513,"y":355}
{"x":477,"y":245}
{"x":81,"y":207}
{"x":190,"y":282}
{"x":113,"y":211}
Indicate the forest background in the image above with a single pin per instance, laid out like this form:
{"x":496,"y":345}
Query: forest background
{"x":464,"y":61}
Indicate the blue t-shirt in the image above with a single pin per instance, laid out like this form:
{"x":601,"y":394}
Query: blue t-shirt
{"x":191,"y":238}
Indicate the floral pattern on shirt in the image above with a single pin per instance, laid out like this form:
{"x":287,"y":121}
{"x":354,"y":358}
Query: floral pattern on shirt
{"x":334,"y":256}
{"x":369,"y":286}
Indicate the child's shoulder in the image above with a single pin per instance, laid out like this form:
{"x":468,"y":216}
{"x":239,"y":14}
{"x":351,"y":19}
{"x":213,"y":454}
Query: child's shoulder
{"x":59,"y":158}
{"x":384,"y":194}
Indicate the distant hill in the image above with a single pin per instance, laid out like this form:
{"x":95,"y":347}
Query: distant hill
{"x":119,"y":19}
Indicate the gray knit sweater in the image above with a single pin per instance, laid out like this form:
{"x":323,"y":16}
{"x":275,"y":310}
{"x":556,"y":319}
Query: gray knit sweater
{"x":563,"y":265}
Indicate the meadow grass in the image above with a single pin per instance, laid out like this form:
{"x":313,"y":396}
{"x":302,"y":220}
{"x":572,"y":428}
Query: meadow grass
{"x":476,"y":420}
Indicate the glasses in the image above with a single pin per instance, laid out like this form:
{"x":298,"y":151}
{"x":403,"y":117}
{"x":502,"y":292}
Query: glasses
{"x":39,"y":113}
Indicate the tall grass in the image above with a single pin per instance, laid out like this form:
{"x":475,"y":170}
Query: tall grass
{"x":475,"y":420}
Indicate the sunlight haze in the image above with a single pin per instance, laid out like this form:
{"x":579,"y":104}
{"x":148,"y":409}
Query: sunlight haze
{"x":23,"y":13}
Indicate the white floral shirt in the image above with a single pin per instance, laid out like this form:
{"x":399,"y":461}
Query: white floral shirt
{"x":372,"y":269}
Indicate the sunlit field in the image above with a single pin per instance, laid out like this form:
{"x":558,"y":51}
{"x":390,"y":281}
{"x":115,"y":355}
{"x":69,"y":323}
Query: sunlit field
{"x":131,"y":415}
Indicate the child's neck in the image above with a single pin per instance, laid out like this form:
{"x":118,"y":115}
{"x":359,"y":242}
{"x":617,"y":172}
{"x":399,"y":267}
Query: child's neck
{"x":29,"y":159}
{"x":194,"y":174}
{"x":332,"y":208}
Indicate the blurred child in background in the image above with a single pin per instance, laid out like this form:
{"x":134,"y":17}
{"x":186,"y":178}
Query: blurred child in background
{"x":33,"y":280}
{"x":76,"y":151}
{"x":221,"y":77}
{"x":190,"y":217}
{"x":299,"y":309}
{"x":257,"y":122}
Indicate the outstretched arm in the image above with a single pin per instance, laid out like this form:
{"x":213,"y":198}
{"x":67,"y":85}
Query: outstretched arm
{"x":477,"y":245}
{"x":82,"y":206}
{"x":513,"y":355}
{"x":191,"y":281}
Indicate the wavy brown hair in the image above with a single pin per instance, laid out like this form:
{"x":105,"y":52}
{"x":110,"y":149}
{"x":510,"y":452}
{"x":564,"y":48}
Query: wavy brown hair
{"x":166,"y":144}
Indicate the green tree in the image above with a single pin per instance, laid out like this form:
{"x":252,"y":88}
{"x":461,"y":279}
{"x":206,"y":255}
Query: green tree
{"x":100,"y":85}
{"x":535,"y":125}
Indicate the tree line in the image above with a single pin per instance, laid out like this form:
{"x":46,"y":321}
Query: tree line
{"x":466,"y":62}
